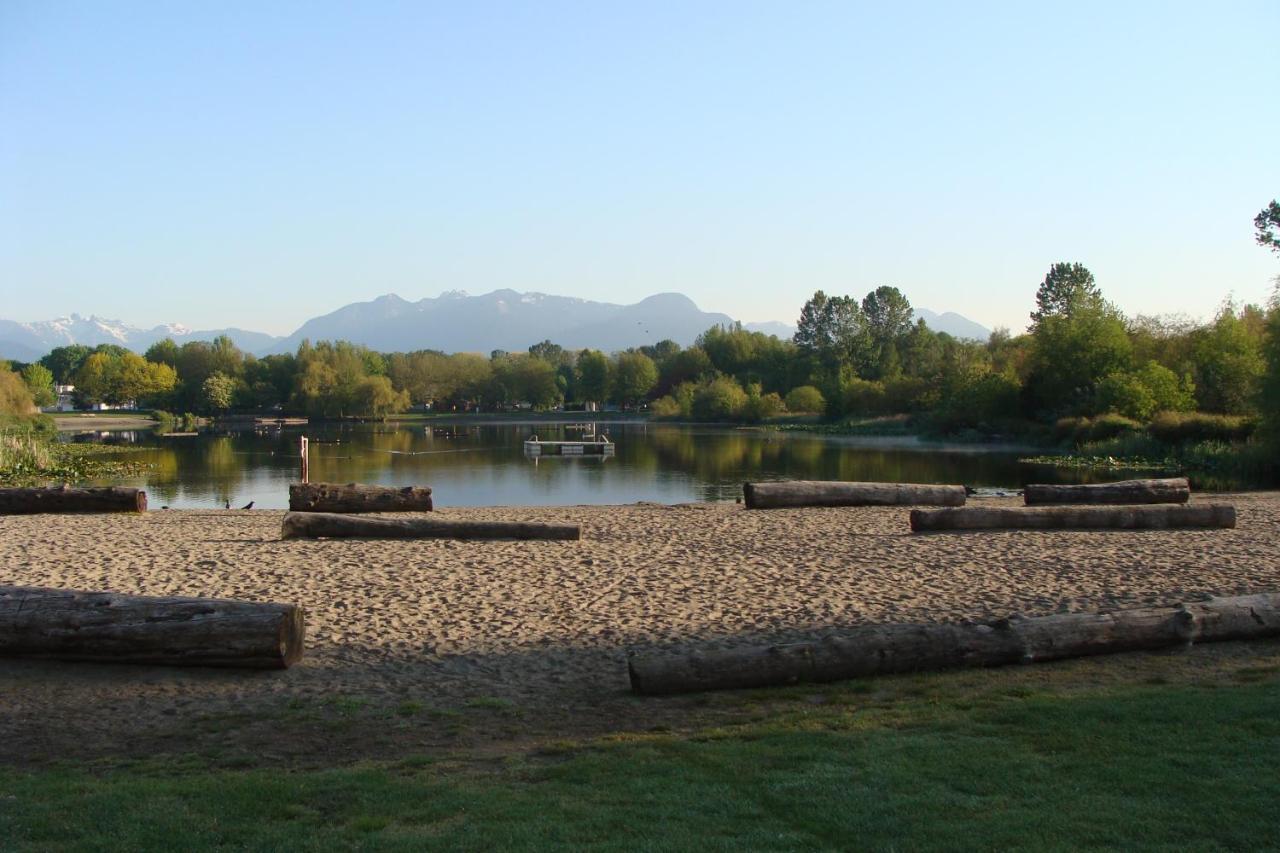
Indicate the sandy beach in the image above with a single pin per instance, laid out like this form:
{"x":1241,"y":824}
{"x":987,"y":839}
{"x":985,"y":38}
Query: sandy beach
{"x":544,"y":626}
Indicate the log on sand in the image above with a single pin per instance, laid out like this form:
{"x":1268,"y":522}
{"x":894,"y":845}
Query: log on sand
{"x":108,"y":627}
{"x":889,"y":648}
{"x":66,"y":499}
{"x":315,"y":525}
{"x":354,"y":497}
{"x":1175,"y":490}
{"x":1157,"y":517}
{"x":797,"y":493}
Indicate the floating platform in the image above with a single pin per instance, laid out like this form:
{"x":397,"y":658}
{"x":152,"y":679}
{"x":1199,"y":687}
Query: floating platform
{"x":590,"y":445}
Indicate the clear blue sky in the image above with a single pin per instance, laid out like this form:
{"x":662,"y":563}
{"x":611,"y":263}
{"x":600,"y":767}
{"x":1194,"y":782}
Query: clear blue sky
{"x":255,"y":164}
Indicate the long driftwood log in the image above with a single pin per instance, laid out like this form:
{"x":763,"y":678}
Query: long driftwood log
{"x":354,"y":497}
{"x":889,"y":648}
{"x":316,"y":525}
{"x":1175,"y":490}
{"x":1155,"y":517}
{"x":66,"y":499}
{"x":108,"y":627}
{"x":798,"y":493}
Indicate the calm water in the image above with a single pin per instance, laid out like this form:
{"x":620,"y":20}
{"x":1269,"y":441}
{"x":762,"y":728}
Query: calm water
{"x":478,"y":465}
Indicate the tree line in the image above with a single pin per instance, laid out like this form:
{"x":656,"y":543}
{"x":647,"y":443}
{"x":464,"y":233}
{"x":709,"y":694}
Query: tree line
{"x":849,"y":357}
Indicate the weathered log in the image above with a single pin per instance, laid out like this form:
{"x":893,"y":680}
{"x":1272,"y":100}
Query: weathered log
{"x":355,"y":497}
{"x":798,"y":493}
{"x":108,"y":627}
{"x":889,"y":648}
{"x":1156,"y":517}
{"x":66,"y":499}
{"x":1175,"y":490}
{"x":316,"y":525}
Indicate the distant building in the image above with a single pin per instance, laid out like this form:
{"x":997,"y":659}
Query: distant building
{"x":66,"y":401}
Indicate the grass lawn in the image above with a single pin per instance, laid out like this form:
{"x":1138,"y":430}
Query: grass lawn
{"x":953,"y":760}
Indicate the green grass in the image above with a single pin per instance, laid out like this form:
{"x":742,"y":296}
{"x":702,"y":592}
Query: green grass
{"x":1019,"y":766}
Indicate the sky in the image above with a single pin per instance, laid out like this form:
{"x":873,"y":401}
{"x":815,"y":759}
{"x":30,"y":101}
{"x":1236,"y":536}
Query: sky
{"x":255,"y":164}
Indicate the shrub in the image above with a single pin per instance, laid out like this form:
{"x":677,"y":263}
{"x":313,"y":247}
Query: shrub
{"x":760,"y":407}
{"x":720,"y":399}
{"x":1179,"y":428}
{"x":15,"y":396}
{"x":806,"y":399}
{"x":1125,"y":394}
{"x":665,"y":407}
{"x":910,"y":394}
{"x":1081,"y":430}
{"x":861,"y":397}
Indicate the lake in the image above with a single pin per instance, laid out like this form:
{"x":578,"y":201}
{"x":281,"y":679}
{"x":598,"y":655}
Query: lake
{"x":470,"y":464}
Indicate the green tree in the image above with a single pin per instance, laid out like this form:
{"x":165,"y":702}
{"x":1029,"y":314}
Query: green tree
{"x":1228,"y":361}
{"x":39,"y":380}
{"x":721,"y":399}
{"x":374,"y":396}
{"x":888,"y":314}
{"x":551,"y":353}
{"x":593,"y":376}
{"x":805,"y":399}
{"x":63,"y":362}
{"x":218,"y":392}
{"x":1269,"y":387}
{"x":1267,"y":223}
{"x":1065,"y":289}
{"x":164,"y":352}
{"x":634,"y":376}
{"x":1072,"y":352}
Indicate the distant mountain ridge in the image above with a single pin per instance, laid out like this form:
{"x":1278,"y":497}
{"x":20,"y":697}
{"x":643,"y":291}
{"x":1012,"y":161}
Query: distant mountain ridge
{"x":29,"y":341}
{"x":451,"y":322}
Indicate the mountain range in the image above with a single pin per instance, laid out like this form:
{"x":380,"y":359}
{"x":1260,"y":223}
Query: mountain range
{"x":452,"y":322}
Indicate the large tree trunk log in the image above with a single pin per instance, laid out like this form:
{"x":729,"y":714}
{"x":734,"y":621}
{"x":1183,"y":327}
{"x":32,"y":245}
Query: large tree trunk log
{"x":881,"y":649}
{"x":1175,"y":490}
{"x":108,"y":627}
{"x":315,"y":525}
{"x":1158,"y":517}
{"x":354,"y":497}
{"x":797,"y":493}
{"x":66,"y":499}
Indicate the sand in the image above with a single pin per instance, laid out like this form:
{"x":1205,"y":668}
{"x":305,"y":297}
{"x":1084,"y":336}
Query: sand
{"x":544,"y":626}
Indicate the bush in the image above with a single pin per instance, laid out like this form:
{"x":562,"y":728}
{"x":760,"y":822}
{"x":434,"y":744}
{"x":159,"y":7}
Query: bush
{"x":1125,"y":394}
{"x":993,"y":398}
{"x":1180,"y":428}
{"x":910,"y":394}
{"x":1081,"y":430}
{"x":665,"y":407}
{"x":805,"y":399}
{"x":759,"y":408}
{"x":861,"y":397}
{"x":721,"y":399}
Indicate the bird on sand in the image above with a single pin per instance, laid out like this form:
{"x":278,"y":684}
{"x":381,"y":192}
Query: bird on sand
{"x":226,"y":504}
{"x":249,"y":505}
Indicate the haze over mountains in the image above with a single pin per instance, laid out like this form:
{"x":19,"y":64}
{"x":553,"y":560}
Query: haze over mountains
{"x":452,"y":322}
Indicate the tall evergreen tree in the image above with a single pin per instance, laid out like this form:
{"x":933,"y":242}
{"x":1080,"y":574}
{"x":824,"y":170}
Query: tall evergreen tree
{"x":1066,"y":288}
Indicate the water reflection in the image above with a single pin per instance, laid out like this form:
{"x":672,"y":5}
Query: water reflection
{"x":478,"y":465}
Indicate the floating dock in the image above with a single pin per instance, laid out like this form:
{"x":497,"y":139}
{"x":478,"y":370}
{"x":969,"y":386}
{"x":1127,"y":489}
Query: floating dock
{"x":589,"y":445}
